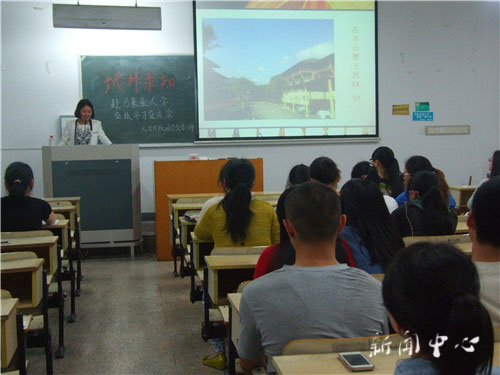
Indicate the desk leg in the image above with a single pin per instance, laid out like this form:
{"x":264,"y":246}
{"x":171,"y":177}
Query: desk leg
{"x":60,"y":350}
{"x":194,"y":294}
{"x":72,"y":316}
{"x":46,"y":331}
{"x":21,"y":348}
{"x":79,"y":276}
{"x":205,"y":331}
{"x":231,"y":360}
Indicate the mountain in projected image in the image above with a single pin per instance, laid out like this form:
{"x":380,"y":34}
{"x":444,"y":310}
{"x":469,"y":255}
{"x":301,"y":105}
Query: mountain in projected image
{"x":260,"y":69}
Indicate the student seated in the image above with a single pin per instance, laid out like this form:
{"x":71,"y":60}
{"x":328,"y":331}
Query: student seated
{"x":275,"y":256}
{"x":220,"y":181}
{"x":298,"y":175}
{"x":316,"y":297}
{"x":370,"y":232}
{"x":365,"y":170}
{"x":21,"y":212}
{"x":389,"y":177}
{"x":484,"y":229}
{"x":419,"y":163}
{"x":427,"y":214}
{"x":494,"y":170}
{"x":239,"y":220}
{"x":324,"y":170}
{"x":431,"y":291}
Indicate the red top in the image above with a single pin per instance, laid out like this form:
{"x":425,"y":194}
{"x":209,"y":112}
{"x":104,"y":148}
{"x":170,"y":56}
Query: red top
{"x":264,"y":263}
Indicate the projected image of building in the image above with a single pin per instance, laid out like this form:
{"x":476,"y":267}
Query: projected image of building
{"x":309,"y":88}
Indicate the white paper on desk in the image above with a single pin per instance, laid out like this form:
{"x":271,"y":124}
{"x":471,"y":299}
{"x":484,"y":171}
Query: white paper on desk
{"x":55,"y":222}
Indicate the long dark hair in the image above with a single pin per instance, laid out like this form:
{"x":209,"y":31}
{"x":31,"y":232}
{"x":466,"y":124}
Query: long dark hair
{"x":286,"y":252}
{"x":363,"y":204}
{"x":18,"y":177}
{"x":419,"y":163}
{"x":432,"y":289}
{"x":436,"y":220}
{"x":495,"y":167}
{"x":298,"y":175}
{"x":386,"y":157}
{"x":239,"y":178}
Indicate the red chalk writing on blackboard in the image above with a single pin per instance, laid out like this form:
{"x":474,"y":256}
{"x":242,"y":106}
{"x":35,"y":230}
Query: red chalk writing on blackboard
{"x":134,"y":83}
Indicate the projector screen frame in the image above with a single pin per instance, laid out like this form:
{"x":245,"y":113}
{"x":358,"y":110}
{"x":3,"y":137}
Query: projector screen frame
{"x":313,"y":139}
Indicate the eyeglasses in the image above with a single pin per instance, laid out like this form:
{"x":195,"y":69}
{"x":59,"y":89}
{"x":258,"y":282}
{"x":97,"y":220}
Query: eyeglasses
{"x":490,"y":160}
{"x":406,"y":174}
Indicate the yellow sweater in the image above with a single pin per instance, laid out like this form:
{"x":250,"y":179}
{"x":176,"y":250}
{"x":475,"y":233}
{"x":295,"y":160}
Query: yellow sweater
{"x":263,"y":230}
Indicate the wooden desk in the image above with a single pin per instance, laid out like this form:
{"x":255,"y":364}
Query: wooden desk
{"x":62,"y":230}
{"x":75,"y":201}
{"x":9,"y":329}
{"x":226,"y":272}
{"x":199,"y":250}
{"x":462,"y":227}
{"x":24,"y":280}
{"x":330,"y":364}
{"x":60,"y":226}
{"x":234,"y":316}
{"x":69,"y":213}
{"x":72,"y":213}
{"x":44,"y":247}
{"x":234,"y":330}
{"x":462,"y":194}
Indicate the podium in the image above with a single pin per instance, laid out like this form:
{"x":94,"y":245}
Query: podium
{"x":107,"y":180}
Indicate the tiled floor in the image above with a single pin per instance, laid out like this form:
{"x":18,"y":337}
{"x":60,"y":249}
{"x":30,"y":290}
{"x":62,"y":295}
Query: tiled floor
{"x":133,"y":317}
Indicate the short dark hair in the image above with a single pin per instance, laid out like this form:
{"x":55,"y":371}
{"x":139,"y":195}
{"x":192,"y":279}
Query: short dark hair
{"x":298,"y":175}
{"x":82,"y":103}
{"x":486,"y":210}
{"x":324,"y":169}
{"x":314,"y":211}
{"x":18,"y":177}
{"x":431,"y":289}
{"x":361,"y":169}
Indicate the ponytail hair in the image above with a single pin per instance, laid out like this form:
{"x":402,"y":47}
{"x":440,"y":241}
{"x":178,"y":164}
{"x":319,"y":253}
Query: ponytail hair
{"x":18,"y":177}
{"x":432,"y":289}
{"x":238,"y":180}
{"x":386,"y":157}
{"x":436,"y":219}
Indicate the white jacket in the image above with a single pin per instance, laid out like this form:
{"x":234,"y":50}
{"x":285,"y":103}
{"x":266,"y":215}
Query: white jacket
{"x":68,"y":134}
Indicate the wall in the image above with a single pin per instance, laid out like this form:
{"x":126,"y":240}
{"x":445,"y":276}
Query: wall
{"x":446,"y":53}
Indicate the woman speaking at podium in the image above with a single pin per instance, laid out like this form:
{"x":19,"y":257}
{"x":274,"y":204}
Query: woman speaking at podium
{"x":84,"y":130}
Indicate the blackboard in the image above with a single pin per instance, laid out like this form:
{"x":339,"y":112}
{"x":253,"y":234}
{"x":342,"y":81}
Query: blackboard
{"x":142,"y":99}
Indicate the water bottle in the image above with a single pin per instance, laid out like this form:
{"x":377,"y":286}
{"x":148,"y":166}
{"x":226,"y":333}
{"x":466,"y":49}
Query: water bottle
{"x":51,"y":141}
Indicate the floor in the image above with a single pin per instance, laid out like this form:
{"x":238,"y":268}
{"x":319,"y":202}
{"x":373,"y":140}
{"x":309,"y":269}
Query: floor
{"x":133,"y":317}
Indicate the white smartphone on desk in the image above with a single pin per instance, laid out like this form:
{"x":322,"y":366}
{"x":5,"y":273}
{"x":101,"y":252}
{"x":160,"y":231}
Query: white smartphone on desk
{"x":356,"y":361}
